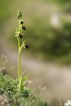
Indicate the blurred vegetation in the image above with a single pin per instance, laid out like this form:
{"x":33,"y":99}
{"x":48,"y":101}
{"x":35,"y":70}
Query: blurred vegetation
{"x":13,"y":97}
{"x":50,"y":41}
{"x":45,"y":41}
{"x":5,"y":10}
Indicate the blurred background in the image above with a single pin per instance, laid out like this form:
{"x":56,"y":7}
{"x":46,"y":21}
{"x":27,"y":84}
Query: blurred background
{"x":48,"y":35}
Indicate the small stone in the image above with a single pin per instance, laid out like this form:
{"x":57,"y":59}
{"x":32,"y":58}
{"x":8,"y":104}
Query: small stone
{"x":1,"y":98}
{"x":2,"y":103}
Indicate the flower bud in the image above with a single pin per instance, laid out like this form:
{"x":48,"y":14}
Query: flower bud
{"x":26,"y":46}
{"x":20,"y":35}
{"x":23,"y":27}
{"x":21,"y":22}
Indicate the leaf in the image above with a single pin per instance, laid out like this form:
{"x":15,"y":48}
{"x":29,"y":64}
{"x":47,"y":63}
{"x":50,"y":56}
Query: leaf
{"x":24,"y":80}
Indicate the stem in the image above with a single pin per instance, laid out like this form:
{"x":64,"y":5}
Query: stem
{"x":19,"y":60}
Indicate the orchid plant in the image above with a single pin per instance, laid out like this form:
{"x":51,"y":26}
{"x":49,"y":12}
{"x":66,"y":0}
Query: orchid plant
{"x":21,"y":44}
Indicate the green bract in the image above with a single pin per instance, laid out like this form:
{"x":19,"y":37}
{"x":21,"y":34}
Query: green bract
{"x":19,"y":14}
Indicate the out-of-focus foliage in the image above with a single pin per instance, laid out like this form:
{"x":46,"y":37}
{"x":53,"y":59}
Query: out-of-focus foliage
{"x":5,"y":10}
{"x":44,"y":40}
{"x":50,"y":41}
{"x":63,"y":4}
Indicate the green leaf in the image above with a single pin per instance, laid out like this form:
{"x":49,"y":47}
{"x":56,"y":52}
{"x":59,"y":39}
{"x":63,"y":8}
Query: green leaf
{"x":24,"y":80}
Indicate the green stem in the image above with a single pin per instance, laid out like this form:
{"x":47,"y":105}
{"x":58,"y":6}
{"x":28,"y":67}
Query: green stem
{"x":19,"y":60}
